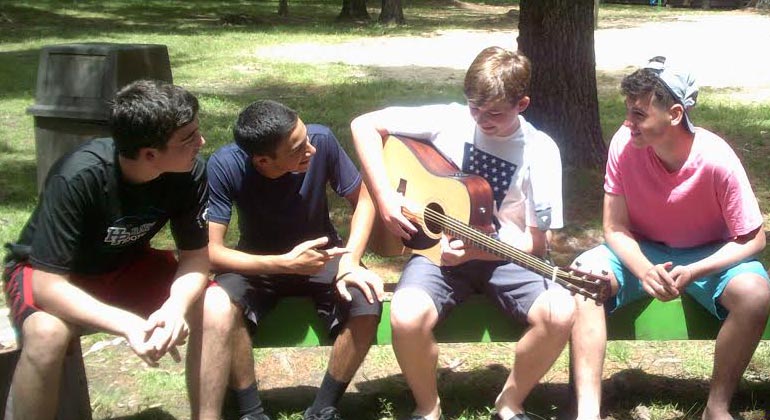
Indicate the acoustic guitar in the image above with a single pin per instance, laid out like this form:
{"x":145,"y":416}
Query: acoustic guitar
{"x":444,"y":200}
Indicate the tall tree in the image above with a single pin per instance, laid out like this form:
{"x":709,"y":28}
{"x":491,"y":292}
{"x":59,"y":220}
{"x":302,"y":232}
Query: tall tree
{"x":392,"y":12}
{"x":558,"y":37}
{"x":353,"y":10}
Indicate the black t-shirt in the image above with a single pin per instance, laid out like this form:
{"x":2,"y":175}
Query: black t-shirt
{"x":89,"y":221}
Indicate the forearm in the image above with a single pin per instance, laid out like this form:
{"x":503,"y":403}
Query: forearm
{"x":626,"y":247}
{"x":729,"y":254}
{"x":360,"y":228}
{"x":191,"y":279}
{"x":56,"y":295}
{"x":225,"y":259}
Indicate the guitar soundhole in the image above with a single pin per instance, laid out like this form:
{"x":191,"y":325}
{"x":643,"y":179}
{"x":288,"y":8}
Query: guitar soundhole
{"x":431,"y":222}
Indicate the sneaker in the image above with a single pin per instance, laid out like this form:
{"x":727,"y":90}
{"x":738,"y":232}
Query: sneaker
{"x":255,"y":417}
{"x":326,"y":413}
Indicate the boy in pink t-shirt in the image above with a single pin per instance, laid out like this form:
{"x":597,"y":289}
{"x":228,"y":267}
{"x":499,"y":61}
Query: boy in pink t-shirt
{"x":679,"y":217}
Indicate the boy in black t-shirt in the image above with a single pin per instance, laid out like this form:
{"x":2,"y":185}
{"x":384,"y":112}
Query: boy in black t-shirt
{"x":276,"y":175}
{"x":83,"y":261}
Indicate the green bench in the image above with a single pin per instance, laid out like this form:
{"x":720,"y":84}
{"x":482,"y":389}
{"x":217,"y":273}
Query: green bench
{"x":293,"y":323}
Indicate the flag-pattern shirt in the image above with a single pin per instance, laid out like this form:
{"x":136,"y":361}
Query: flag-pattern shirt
{"x":524,"y":169}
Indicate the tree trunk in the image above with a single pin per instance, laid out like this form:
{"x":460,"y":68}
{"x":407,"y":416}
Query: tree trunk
{"x":558,"y":37}
{"x":353,"y":10}
{"x":392,"y":12}
{"x":283,"y":8}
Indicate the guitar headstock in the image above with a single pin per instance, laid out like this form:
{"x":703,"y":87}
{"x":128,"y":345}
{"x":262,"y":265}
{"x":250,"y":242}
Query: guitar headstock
{"x":591,"y":285}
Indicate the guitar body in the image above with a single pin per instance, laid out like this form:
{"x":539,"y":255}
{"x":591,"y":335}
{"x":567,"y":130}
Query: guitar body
{"x":447,"y":200}
{"x":427,"y":179}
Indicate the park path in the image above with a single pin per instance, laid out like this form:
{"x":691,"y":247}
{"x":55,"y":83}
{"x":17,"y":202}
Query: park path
{"x":725,"y":49}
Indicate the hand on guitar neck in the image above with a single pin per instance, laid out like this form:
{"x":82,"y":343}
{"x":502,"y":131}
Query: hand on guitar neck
{"x":394,"y":213}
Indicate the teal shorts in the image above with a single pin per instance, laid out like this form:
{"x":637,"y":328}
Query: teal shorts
{"x":705,"y":290}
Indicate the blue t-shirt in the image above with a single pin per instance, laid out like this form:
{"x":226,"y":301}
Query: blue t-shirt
{"x":275,"y":215}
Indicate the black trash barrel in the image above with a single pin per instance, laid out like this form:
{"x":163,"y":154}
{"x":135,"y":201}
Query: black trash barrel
{"x":75,"y":83}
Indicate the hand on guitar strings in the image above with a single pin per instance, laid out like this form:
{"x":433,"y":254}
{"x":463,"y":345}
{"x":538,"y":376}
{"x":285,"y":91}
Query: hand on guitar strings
{"x":309,"y":258}
{"x":392,"y":211}
{"x":454,"y":252}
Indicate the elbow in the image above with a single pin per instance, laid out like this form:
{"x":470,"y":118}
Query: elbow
{"x":214,"y":264}
{"x":358,"y":125}
{"x":761,"y":240}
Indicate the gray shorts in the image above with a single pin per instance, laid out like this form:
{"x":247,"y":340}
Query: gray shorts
{"x":512,"y":288}
{"x":258,"y":295}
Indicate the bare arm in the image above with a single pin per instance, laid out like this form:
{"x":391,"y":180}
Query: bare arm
{"x":368,"y":137}
{"x":350,"y":271}
{"x":729,"y":254}
{"x":360,"y":226}
{"x":169,"y":321}
{"x":655,"y":279}
{"x":191,"y":279}
{"x":56,"y":295}
{"x":224,"y":258}
{"x":305,"y":258}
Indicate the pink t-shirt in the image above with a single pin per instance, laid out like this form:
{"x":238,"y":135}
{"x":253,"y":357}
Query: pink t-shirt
{"x":708,"y":200}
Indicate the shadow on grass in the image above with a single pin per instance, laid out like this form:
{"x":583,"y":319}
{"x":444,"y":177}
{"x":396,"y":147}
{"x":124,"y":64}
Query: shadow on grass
{"x":26,"y":20}
{"x":148,"y":414}
{"x":629,"y":388}
{"x":471,"y":394}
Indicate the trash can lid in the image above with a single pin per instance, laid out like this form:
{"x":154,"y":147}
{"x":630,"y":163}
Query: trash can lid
{"x":78,"y":80}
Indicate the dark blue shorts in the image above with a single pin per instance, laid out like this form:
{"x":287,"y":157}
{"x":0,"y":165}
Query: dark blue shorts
{"x":512,"y":288}
{"x":258,"y":295}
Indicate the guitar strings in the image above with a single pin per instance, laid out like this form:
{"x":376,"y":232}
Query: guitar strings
{"x":501,"y":248}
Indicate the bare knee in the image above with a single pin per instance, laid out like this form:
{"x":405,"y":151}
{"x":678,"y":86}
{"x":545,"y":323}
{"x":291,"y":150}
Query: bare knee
{"x":747,"y":294}
{"x":553,"y":310}
{"x":412,"y":310}
{"x":45,"y":338}
{"x":219,"y":312}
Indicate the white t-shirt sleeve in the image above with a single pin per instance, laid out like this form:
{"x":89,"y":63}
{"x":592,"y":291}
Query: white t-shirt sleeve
{"x":545,"y":182}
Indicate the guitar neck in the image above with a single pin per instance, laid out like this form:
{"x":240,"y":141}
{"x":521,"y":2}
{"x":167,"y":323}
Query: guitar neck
{"x":496,"y":247}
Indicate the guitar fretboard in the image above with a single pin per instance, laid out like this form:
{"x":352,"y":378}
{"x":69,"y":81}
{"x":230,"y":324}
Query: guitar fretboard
{"x":506,"y":251}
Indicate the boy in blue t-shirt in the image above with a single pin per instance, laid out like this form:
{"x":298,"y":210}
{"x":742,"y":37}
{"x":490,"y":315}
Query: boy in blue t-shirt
{"x":276,"y":175}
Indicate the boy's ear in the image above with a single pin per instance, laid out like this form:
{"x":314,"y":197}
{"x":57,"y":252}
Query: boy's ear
{"x":147,"y":153}
{"x":523,"y":103}
{"x":260,"y":161}
{"x":677,"y":114}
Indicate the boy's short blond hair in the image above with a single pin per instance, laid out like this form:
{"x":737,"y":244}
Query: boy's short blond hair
{"x":496,"y":75}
